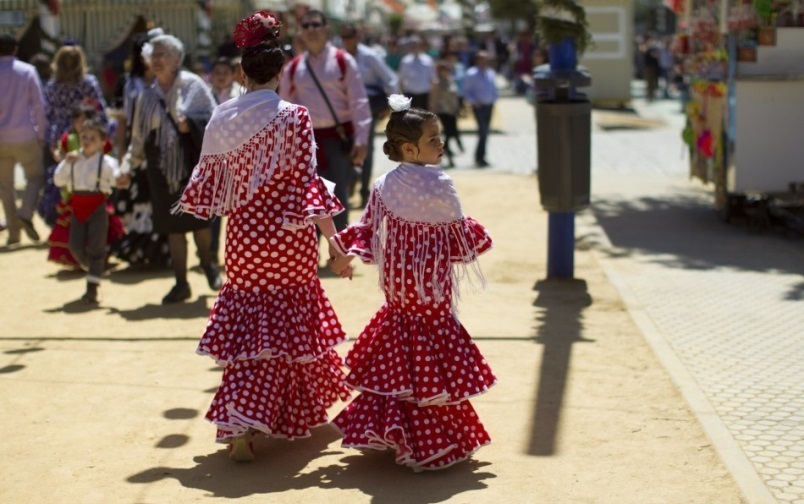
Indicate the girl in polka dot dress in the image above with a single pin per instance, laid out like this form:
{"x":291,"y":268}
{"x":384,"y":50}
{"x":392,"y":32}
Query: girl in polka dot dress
{"x":414,"y":364}
{"x":272,"y":327}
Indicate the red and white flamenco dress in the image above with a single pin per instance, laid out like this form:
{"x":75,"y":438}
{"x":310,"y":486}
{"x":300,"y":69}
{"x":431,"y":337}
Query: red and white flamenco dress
{"x":272,"y":327}
{"x":414,"y":364}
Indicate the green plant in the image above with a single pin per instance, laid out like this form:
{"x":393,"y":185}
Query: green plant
{"x":764,"y":11}
{"x":395,"y":22}
{"x":559,"y":19}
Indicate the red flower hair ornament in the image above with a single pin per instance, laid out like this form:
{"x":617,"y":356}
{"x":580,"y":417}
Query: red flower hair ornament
{"x":260,"y":26}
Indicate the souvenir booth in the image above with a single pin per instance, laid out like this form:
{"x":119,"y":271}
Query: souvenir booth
{"x":744,"y":61}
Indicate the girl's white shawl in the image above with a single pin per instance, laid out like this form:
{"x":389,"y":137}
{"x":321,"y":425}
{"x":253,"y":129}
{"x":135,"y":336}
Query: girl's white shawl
{"x":418,"y":207}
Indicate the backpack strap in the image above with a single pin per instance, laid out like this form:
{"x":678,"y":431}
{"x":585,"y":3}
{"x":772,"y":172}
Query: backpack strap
{"x":340,"y":58}
{"x":294,"y":64}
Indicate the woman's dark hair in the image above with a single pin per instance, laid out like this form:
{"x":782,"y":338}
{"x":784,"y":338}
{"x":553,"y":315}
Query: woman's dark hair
{"x":262,"y":62}
{"x":137,"y":62}
{"x":84,"y":110}
{"x":404,"y":127}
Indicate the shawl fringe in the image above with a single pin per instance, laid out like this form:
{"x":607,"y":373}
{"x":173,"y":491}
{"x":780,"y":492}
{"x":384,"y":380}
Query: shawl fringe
{"x":222,"y":183}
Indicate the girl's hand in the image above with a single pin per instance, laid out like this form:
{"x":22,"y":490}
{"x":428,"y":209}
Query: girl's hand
{"x":340,"y":266}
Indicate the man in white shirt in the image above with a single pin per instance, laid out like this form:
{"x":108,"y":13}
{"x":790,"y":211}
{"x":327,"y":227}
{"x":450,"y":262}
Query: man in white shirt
{"x":339,"y":108}
{"x":417,"y":74}
{"x":380,"y":82}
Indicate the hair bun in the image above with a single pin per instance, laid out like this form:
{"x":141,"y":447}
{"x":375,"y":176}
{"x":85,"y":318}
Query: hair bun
{"x":257,"y":28}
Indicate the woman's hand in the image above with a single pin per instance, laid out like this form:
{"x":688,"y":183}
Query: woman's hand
{"x":184,"y":126}
{"x":124,"y":181}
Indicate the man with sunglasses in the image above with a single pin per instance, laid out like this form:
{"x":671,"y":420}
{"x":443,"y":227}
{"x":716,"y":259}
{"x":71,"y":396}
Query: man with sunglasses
{"x":327,"y":81}
{"x":380,"y":82}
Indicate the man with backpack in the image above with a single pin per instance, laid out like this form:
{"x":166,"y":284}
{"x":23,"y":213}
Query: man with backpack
{"x":327,"y":81}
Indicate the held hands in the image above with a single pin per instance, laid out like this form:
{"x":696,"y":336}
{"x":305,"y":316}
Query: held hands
{"x":340,"y":266}
{"x":338,"y":263}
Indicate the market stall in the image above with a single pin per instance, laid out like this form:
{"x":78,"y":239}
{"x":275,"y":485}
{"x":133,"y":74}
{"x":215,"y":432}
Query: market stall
{"x":745,"y":67}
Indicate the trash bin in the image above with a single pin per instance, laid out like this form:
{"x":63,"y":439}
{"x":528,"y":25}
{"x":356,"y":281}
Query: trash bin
{"x":564,"y":139}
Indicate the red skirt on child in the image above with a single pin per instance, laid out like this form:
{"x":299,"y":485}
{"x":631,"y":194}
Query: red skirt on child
{"x":58,"y":240}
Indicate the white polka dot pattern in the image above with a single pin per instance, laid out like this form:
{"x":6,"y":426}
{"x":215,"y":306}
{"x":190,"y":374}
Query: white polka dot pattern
{"x":414,"y":364}
{"x":272,"y":326}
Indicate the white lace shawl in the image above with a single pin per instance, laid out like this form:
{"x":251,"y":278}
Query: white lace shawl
{"x":418,"y":207}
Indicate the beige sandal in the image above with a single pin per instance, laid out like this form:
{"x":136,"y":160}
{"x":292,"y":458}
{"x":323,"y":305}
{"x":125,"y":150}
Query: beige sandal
{"x":241,"y":448}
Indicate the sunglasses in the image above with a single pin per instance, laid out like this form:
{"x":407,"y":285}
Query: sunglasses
{"x":313,"y":24}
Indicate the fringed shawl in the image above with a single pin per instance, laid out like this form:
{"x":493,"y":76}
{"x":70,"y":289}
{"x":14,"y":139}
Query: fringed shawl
{"x":189,"y":97}
{"x":416,"y":227}
{"x":247,"y":140}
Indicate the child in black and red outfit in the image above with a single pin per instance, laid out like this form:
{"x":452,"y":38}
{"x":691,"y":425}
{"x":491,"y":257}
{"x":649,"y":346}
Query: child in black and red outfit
{"x":89,"y":176}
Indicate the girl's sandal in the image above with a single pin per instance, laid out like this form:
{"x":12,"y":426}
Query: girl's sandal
{"x":241,"y":449}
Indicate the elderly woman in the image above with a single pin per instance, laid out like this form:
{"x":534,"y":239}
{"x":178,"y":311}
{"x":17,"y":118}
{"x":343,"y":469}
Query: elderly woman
{"x":167,"y":132}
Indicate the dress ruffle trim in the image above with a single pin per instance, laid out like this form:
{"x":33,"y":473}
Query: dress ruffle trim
{"x":277,"y":397}
{"x":319,"y":201}
{"x":424,"y":438}
{"x":428,"y":362}
{"x":288,"y":322}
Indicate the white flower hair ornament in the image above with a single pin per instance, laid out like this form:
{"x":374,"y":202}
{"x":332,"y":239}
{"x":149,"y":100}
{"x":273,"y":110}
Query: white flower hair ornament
{"x":398,"y":102}
{"x":147,"y":51}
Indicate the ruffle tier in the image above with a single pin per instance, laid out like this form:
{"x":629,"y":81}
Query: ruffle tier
{"x":276,"y":396}
{"x":424,"y":438}
{"x":424,"y":360}
{"x":294,"y":322}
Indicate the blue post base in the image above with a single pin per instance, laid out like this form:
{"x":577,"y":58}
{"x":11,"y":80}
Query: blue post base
{"x":560,"y":245}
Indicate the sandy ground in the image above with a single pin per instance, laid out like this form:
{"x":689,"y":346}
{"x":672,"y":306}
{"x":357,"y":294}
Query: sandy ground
{"x":106,"y":405}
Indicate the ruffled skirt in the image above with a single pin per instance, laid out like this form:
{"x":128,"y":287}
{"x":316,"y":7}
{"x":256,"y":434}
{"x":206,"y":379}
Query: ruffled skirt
{"x":416,"y":375}
{"x":280,"y":370}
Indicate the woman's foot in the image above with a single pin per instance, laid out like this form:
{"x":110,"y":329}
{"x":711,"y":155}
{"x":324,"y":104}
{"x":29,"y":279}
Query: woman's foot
{"x":180,"y":292}
{"x":241,"y":448}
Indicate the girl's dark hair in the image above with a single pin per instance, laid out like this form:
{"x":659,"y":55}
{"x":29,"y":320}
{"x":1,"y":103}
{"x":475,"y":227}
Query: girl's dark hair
{"x":262,"y":62}
{"x":404,"y":127}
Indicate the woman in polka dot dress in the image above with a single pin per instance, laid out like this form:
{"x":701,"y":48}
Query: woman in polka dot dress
{"x":272,"y":327}
{"x":414,"y":364}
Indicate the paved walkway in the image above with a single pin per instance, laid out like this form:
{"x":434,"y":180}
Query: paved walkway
{"x":722,"y":307}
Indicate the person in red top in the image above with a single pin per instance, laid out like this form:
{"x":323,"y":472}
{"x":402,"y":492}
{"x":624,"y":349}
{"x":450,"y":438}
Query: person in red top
{"x":272,"y":327}
{"x":414,"y":363}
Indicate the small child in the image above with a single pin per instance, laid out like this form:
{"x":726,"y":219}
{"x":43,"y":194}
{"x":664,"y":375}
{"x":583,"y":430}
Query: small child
{"x":59,"y":251}
{"x":89,"y":176}
{"x":414,"y":364}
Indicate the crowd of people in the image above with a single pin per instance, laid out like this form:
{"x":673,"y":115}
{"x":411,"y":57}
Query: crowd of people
{"x":155,"y":130}
{"x":265,"y":149}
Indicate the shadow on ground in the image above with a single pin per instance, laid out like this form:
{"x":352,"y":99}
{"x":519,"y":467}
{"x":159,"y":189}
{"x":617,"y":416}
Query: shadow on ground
{"x":194,"y":309}
{"x":684,"y":231}
{"x":280,"y":467}
{"x":560,"y":325}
